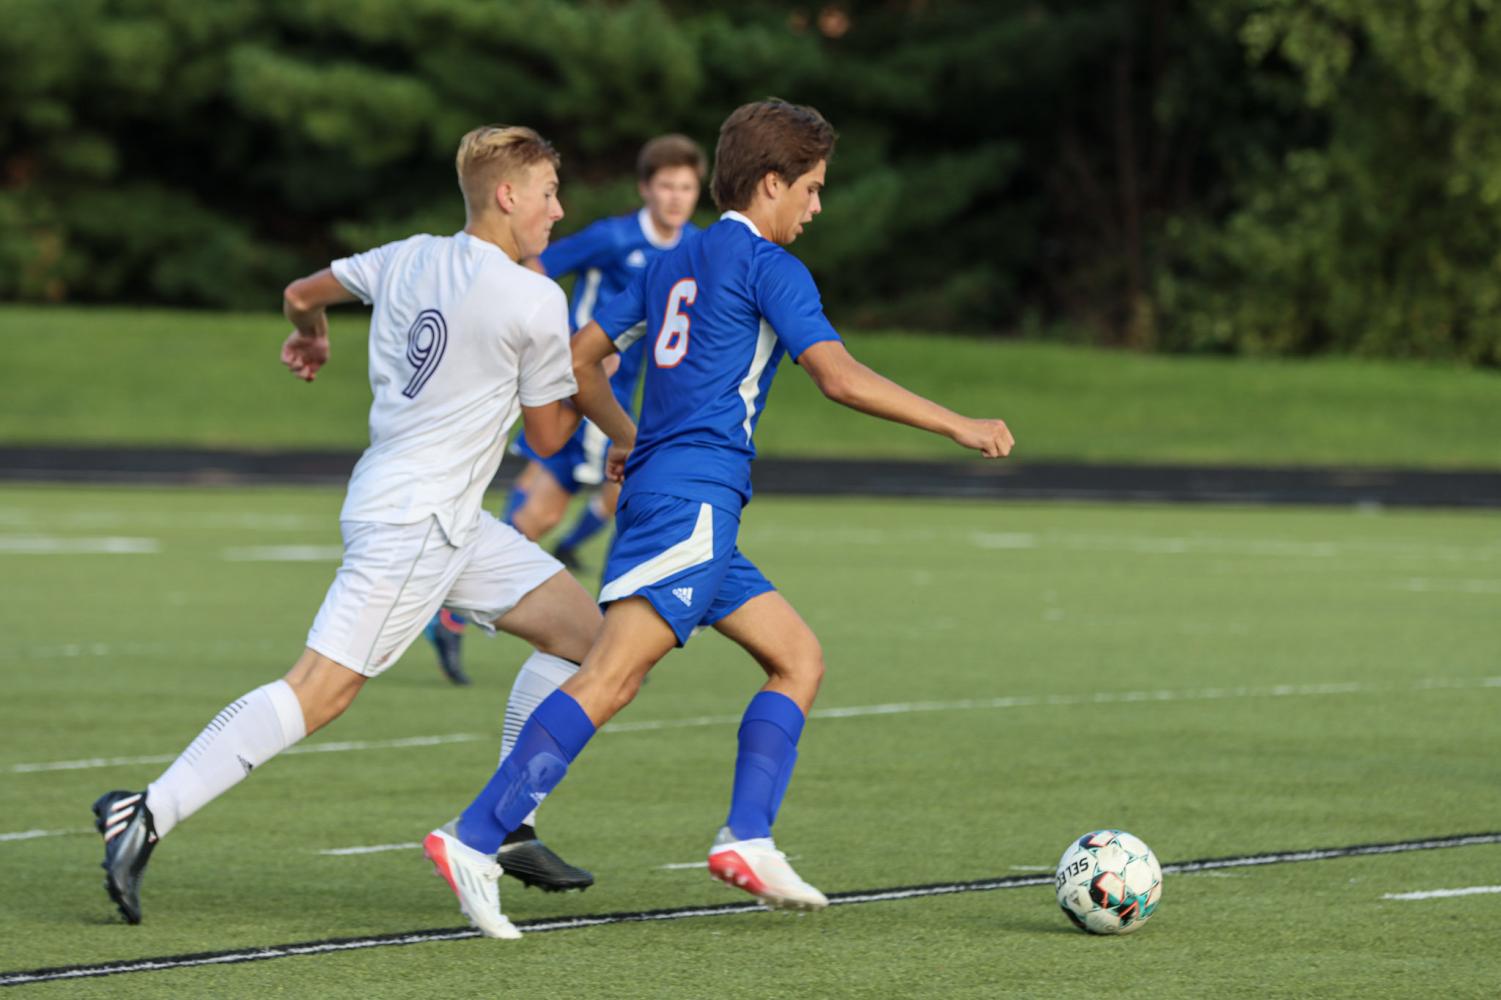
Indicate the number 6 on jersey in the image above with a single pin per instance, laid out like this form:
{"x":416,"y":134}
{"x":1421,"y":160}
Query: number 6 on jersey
{"x":672,"y":339}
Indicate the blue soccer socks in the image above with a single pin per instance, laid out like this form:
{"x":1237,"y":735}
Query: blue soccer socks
{"x":548,"y":743}
{"x":769,"y":732}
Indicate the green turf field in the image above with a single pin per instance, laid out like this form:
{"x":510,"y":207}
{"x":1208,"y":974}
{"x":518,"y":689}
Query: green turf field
{"x":128,"y":377}
{"x":1001,"y":679}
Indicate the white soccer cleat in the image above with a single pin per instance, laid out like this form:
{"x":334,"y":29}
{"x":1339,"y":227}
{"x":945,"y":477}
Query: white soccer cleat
{"x":761,"y":870}
{"x":474,"y":878}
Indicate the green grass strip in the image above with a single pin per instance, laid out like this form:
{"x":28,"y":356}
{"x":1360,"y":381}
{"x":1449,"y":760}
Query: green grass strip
{"x":159,"y":378}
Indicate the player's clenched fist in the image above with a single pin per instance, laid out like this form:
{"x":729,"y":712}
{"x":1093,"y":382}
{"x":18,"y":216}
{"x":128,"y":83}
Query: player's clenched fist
{"x":303,"y":356}
{"x":615,"y":462}
{"x":991,"y":438}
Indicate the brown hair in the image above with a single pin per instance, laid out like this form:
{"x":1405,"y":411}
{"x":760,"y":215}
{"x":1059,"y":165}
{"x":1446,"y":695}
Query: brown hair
{"x":671,"y":150}
{"x":492,"y":153}
{"x":762,"y":137}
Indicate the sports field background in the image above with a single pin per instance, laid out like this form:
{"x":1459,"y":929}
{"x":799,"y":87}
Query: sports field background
{"x":154,"y":378}
{"x":1002,"y":677}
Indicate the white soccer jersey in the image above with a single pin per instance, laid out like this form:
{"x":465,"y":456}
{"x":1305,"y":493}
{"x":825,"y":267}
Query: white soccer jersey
{"x":461,"y":338}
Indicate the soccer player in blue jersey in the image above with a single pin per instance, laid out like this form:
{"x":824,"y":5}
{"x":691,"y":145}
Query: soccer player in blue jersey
{"x":605,"y":258}
{"x":721,"y":311}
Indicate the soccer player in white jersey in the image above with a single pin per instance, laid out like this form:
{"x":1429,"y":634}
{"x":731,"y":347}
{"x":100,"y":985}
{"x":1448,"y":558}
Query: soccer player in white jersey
{"x":605,"y":257}
{"x":721,"y":310}
{"x":463,"y":341}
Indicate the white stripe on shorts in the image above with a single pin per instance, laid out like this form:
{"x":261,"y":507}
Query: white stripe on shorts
{"x":695,"y":549}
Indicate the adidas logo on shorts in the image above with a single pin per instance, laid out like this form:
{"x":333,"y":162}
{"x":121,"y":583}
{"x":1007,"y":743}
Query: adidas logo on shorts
{"x":684,"y":594}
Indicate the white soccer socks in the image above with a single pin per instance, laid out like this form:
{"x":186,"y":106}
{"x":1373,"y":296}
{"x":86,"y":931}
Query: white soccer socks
{"x":242,"y":737}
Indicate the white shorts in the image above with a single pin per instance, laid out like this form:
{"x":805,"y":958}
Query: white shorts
{"x":395,"y":577}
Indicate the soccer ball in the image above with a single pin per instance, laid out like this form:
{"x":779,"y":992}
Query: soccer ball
{"x":1108,"y":882}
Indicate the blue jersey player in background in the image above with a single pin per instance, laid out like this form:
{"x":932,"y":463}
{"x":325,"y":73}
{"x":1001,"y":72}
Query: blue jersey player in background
{"x":721,"y":310}
{"x":604,"y":258}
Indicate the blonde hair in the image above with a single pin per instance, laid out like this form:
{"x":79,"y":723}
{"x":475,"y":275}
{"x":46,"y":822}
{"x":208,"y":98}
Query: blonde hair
{"x":493,"y":153}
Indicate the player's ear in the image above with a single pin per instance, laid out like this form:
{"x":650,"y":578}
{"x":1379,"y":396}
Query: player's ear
{"x":772,"y":184}
{"x":505,"y":197}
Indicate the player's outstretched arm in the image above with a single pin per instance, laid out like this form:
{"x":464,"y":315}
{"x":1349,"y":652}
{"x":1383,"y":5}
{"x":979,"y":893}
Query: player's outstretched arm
{"x":844,"y":380}
{"x":304,"y":303}
{"x":591,"y":347}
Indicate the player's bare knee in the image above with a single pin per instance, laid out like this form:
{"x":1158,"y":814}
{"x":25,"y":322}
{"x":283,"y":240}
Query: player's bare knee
{"x":809,"y":675}
{"x":578,"y":629}
{"x":570,"y":643}
{"x":324,"y":688}
{"x":803,"y":662}
{"x":603,"y":689}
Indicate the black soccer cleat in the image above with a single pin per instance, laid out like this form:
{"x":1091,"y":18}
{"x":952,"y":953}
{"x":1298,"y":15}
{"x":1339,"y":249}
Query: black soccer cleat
{"x":447,"y":637}
{"x":533,"y":863}
{"x":129,"y":838}
{"x":567,"y":556}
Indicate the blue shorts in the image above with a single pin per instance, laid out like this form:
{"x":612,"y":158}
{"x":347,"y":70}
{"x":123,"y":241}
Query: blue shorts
{"x":578,"y":464}
{"x":681,"y":556}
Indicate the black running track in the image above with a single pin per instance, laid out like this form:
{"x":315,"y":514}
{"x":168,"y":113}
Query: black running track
{"x":973,"y":479}
{"x":22,"y":977}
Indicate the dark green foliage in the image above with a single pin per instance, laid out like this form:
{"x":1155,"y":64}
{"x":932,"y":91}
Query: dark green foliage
{"x":1233,"y":176}
{"x":1374,"y":228}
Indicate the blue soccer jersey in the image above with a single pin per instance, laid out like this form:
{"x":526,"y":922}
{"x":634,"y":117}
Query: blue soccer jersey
{"x":719,"y":311}
{"x":606,"y":258}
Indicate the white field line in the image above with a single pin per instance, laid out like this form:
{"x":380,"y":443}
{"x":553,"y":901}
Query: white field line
{"x":1473,"y":890}
{"x":856,"y":711}
{"x":79,"y":650}
{"x":38,"y":834}
{"x":102,"y":520}
{"x":1156,"y":545}
{"x":1003,"y":540}
{"x":372,"y":849}
{"x":381,"y":848}
{"x":1424,"y":585}
{"x":52,"y":545}
{"x":1097,"y":698}
{"x":344,"y":747}
{"x":284,"y":553}
{"x":21,"y":518}
{"x":1146,"y":544}
{"x":679,"y":866}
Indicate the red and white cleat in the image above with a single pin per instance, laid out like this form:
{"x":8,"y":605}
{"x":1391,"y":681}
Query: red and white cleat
{"x":761,"y":870}
{"x":474,"y":877}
